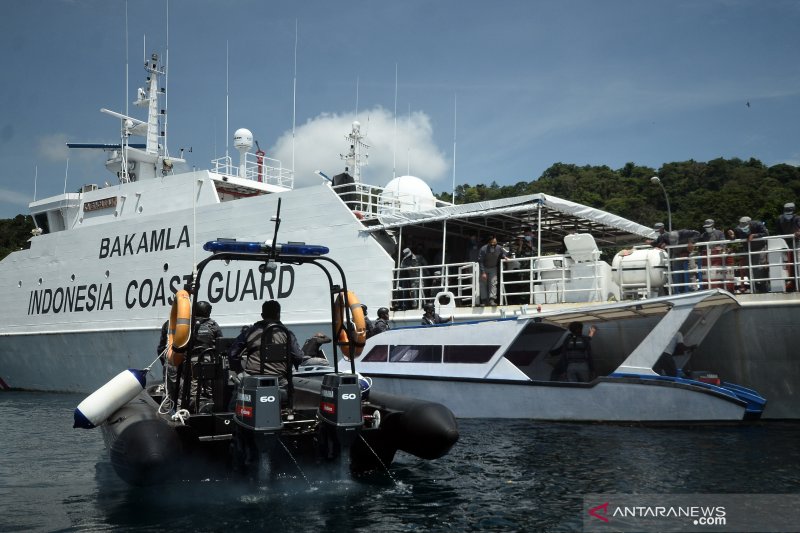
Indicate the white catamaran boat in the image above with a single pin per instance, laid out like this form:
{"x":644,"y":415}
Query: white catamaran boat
{"x":97,"y":282}
{"x":501,"y":369}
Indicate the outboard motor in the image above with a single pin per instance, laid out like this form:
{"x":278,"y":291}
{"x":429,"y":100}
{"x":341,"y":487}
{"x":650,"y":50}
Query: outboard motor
{"x":340,"y":412}
{"x":258,"y":420}
{"x":258,"y":404}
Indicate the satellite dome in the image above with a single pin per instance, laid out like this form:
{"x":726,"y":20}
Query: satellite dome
{"x":242,"y":139}
{"x":407,"y":193}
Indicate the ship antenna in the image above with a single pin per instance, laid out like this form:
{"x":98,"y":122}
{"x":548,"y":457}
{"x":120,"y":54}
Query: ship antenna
{"x":394,"y":149}
{"x":294,"y":93}
{"x":127,"y":81}
{"x":166,"y":86}
{"x":455,"y":115}
{"x":227,"y":52}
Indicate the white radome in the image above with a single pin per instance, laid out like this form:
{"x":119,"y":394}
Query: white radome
{"x":408,"y":193}
{"x":243,"y":139}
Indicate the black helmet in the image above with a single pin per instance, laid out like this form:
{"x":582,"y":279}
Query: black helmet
{"x":364,"y":308}
{"x":429,"y":307}
{"x":383,"y":312}
{"x":202,"y":309}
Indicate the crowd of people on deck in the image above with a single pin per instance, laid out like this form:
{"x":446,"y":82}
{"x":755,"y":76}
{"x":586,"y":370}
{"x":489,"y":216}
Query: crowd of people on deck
{"x":686,"y":260}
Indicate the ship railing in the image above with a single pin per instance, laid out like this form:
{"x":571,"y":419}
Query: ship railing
{"x":521,"y":281}
{"x":255,"y":167}
{"x":763,"y":265}
{"x":370,"y":201}
{"x":412,"y":287}
{"x":549,"y":279}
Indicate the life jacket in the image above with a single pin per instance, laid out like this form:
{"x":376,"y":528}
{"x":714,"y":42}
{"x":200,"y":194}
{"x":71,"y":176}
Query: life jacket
{"x":576,"y":349}
{"x":206,"y":332}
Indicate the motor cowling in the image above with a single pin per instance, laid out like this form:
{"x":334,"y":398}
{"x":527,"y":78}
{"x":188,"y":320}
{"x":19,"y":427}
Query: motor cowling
{"x":340,"y":411}
{"x":258,"y":404}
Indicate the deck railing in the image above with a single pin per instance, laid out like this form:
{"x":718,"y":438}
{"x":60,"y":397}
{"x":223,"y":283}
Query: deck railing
{"x":256,"y":168}
{"x":763,"y":265}
{"x":371,"y":201}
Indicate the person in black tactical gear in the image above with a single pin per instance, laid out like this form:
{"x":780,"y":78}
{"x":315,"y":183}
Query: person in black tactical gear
{"x":205,"y":331}
{"x":430,"y":317}
{"x":369,"y":326}
{"x":312,"y":350}
{"x":246,"y":353}
{"x":576,"y":354}
{"x":382,"y":324}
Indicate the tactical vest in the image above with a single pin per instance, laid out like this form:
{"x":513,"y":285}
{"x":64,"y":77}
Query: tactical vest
{"x":576,"y":349}
{"x":253,"y":363}
{"x":204,"y":339}
{"x":492,"y":258}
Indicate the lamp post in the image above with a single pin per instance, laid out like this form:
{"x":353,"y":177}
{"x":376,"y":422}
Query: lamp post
{"x":657,"y":181}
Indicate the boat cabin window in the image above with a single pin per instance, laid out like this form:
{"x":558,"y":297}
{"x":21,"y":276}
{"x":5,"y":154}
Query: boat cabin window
{"x":469,"y":354}
{"x":415,"y":354}
{"x":378,"y":354}
{"x":430,"y":354}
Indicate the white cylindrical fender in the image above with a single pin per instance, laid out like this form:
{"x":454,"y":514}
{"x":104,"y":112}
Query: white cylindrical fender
{"x":99,"y":405}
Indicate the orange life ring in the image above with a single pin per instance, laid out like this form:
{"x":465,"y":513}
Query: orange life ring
{"x":357,"y":315}
{"x":180,"y":326}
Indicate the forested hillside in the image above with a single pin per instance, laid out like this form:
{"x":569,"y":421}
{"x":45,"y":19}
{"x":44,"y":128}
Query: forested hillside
{"x":14,"y":233}
{"x":722,"y":189}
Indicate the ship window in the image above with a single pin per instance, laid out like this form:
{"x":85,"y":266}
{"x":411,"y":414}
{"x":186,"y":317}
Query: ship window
{"x":416,"y":354}
{"x":469,"y":354}
{"x":378,"y":354}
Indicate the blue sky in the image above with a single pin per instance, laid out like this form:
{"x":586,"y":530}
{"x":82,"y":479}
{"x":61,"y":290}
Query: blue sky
{"x":537,"y":82}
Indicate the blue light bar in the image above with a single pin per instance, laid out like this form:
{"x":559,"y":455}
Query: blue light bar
{"x":260,"y":247}
{"x":233,"y":246}
{"x":302,"y":249}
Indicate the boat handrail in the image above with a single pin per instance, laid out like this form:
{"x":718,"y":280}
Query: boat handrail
{"x":726,"y":264}
{"x":371,"y":201}
{"x":259,"y":168}
{"x":763,"y":265}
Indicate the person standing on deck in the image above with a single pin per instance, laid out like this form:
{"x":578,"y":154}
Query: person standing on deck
{"x":709,"y":255}
{"x":750,"y":230}
{"x":789,"y":224}
{"x":488,"y":263}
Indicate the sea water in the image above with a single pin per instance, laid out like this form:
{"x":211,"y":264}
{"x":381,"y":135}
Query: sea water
{"x":501,"y":476}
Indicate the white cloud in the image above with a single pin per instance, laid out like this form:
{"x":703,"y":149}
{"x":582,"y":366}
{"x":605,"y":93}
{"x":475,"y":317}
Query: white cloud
{"x":319,"y":142}
{"x":53,"y":147}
